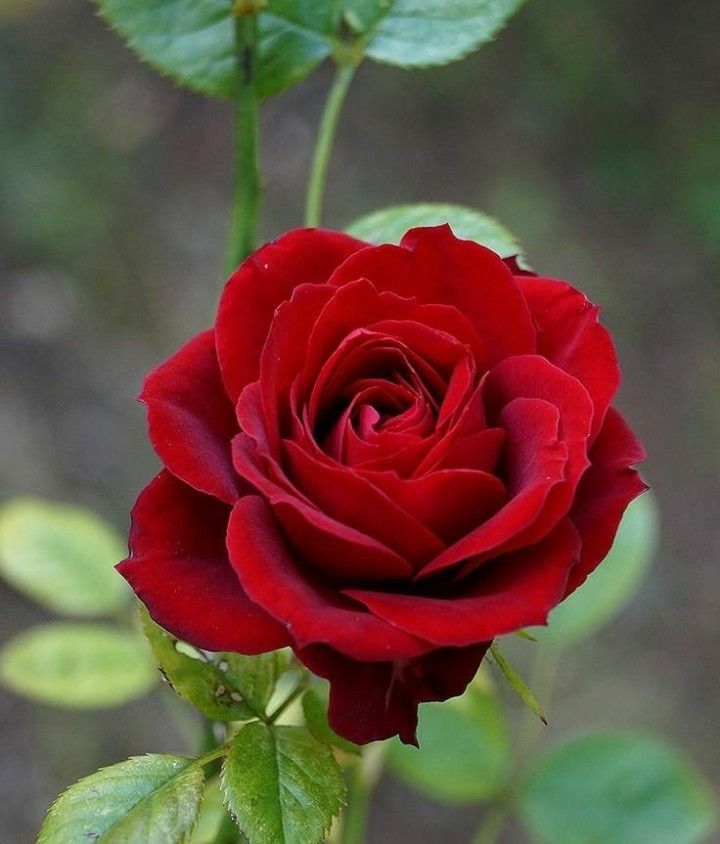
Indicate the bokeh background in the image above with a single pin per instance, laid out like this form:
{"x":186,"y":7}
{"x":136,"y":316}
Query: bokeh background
{"x":591,"y":128}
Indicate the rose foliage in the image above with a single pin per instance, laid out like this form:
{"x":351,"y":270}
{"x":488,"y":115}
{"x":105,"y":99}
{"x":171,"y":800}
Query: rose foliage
{"x":383,"y":457}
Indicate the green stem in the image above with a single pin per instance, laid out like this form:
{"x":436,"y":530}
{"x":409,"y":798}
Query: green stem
{"x":326,"y":135}
{"x":291,"y":698}
{"x":363,"y":777}
{"x":499,"y":810}
{"x":493,"y":823}
{"x":246,"y":178}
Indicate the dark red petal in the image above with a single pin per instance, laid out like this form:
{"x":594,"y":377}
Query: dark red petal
{"x":179,"y":569}
{"x":261,"y":283}
{"x":570,"y":336}
{"x":537,"y":463}
{"x":191,"y":420}
{"x":372,"y":701}
{"x":450,"y":502}
{"x":514,"y":591}
{"x":311,"y":609}
{"x":432,"y":265}
{"x":351,"y":500}
{"x":480,"y":451}
{"x":606,"y":489}
{"x":324,"y":543}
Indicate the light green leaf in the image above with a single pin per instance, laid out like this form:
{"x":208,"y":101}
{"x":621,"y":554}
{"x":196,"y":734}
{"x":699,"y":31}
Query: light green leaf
{"x":388,"y":225}
{"x":615,"y":788}
{"x":464,"y":749}
{"x":212,"y":813}
{"x":517,"y":684}
{"x":315,"y":710}
{"x":192,"y":41}
{"x":422,"y":33}
{"x":61,"y":556}
{"x":613,"y":583}
{"x":195,"y":678}
{"x":281,"y":784}
{"x":82,"y":666}
{"x":150,"y":799}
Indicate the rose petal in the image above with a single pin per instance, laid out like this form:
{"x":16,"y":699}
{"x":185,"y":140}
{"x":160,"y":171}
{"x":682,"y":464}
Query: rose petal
{"x":312,"y":610}
{"x":537,"y":463}
{"x":514,"y":591}
{"x":450,"y":502}
{"x":606,"y":489}
{"x":260,"y":284}
{"x":570,"y":336}
{"x":178,"y":567}
{"x":191,"y":420}
{"x":372,"y":701}
{"x":351,"y":500}
{"x":324,"y":543}
{"x":432,"y":265}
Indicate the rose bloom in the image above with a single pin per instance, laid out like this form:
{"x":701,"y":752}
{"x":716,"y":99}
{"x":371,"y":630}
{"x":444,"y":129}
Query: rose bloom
{"x":383,"y":457}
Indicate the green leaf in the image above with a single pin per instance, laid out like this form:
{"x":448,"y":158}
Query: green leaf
{"x":422,"y":33}
{"x":192,"y":41}
{"x":61,"y":556}
{"x":255,"y":677}
{"x":281,"y":784}
{"x":150,"y":799}
{"x":464,"y":749}
{"x":210,"y":818}
{"x":315,"y":709}
{"x":82,"y":666}
{"x":619,"y":788}
{"x":613,"y":583}
{"x":517,"y":684}
{"x":224,"y":687}
{"x":388,"y":225}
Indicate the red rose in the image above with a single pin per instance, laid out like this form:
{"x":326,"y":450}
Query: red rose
{"x":384,"y":457}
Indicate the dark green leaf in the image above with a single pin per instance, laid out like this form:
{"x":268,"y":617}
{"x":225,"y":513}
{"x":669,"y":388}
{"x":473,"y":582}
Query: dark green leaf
{"x":61,"y":556}
{"x":388,"y":225}
{"x":612,"y":788}
{"x":77,"y":665}
{"x":281,"y":784}
{"x":199,"y":680}
{"x":464,"y":749}
{"x":614,"y":582}
{"x":315,"y":709}
{"x":150,"y":799}
{"x":192,"y":40}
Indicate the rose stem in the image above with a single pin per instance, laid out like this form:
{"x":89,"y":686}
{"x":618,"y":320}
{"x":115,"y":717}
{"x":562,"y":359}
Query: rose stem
{"x":344,"y":72}
{"x":246,"y":179}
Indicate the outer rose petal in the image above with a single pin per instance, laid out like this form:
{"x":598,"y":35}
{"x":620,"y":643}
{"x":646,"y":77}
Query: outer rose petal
{"x":371,"y":701}
{"x":514,"y":591}
{"x":609,"y":485}
{"x":432,"y":265}
{"x":191,"y":420}
{"x":178,"y":567}
{"x":313,"y":611}
{"x":261,"y":283}
{"x":570,"y":336}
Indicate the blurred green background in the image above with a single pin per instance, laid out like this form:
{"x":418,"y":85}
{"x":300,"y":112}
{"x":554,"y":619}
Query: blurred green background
{"x":591,"y":129}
